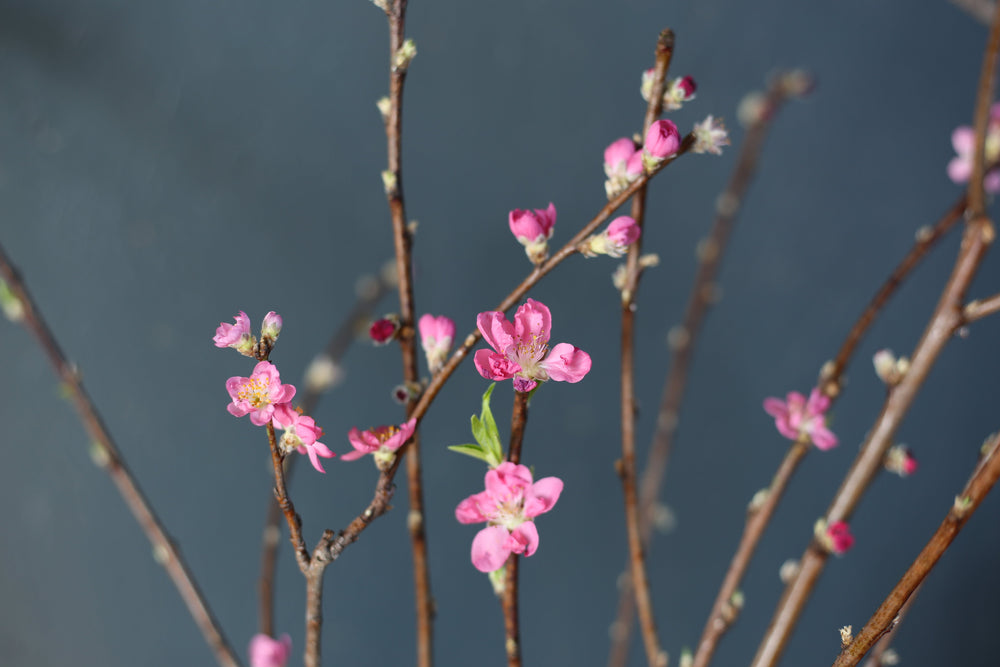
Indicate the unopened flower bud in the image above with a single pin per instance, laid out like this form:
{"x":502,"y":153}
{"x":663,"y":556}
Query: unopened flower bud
{"x":389,"y":182}
{"x":662,"y":141}
{"x":436,"y":337}
{"x":384,"y":330}
{"x":899,"y":460}
{"x":753,"y":108}
{"x":836,"y":537}
{"x":788,"y":570}
{"x":236,"y":336}
{"x":622,"y":166}
{"x":678,"y":92}
{"x":406,"y":53}
{"x":271,"y":327}
{"x":846,"y":636}
{"x":889,"y":369}
{"x":384,"y":106}
{"x":532,"y":229}
{"x":615,"y":240}
{"x":12,"y":307}
{"x":322,"y":374}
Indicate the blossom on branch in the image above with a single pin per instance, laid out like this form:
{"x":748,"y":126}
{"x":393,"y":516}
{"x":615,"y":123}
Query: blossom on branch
{"x":963,"y":140}
{"x":509,"y":505}
{"x":662,"y":141}
{"x":613,"y":241}
{"x":796,"y":417}
{"x":900,"y":460}
{"x":384,"y":330}
{"x":267,"y":652}
{"x":300,"y":435}
{"x":236,"y":336}
{"x":675,"y":92}
{"x":382,"y":442}
{"x":436,"y":337}
{"x":521,"y":349}
{"x":622,"y":166}
{"x":258,"y":394}
{"x":710,"y":136}
{"x":835,"y":537}
{"x":532,"y":229}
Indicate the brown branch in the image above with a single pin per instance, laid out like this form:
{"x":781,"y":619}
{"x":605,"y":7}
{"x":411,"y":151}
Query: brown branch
{"x":882,"y":645}
{"x":699,"y":303}
{"x":335,"y":350}
{"x":292,"y":518}
{"x":983,"y":478}
{"x":655,"y":654}
{"x":314,"y":612}
{"x":169,"y":555}
{"x":987,"y":76}
{"x":512,"y":629}
{"x":980,"y":308}
{"x":403,"y":243}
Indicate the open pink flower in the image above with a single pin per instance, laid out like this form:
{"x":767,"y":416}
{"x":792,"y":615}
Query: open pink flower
{"x":258,"y":394}
{"x":300,"y":434}
{"x":710,"y":136}
{"x":509,"y":505}
{"x":797,"y":417}
{"x":382,"y":442}
{"x":521,"y":349}
{"x":237,"y":335}
{"x":436,"y":336}
{"x":532,"y":229}
{"x":268,"y":652}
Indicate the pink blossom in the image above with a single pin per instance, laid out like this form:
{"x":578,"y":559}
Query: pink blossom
{"x":710,"y":136}
{"x":258,"y":394}
{"x":622,"y":165}
{"x":382,"y":442}
{"x":234,"y":335}
{"x":272,"y":326}
{"x":508,"y":505}
{"x":678,"y":91}
{"x":436,"y":336}
{"x":963,"y":140}
{"x":615,"y":240}
{"x":662,"y":140}
{"x":838,"y":538}
{"x":521,"y":349}
{"x":267,"y":652}
{"x":300,"y":434}
{"x":796,"y":417}
{"x":533,"y":229}
{"x":383,"y":330}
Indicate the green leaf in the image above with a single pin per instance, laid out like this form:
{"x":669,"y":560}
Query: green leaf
{"x":491,"y":440}
{"x":475,"y":451}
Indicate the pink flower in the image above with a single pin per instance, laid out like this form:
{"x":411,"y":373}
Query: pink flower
{"x":796,"y":417}
{"x":963,"y":140}
{"x":710,"y":136}
{"x":382,"y":442}
{"x":662,"y":141}
{"x":258,"y":394}
{"x":615,"y":240}
{"x":522,"y":351}
{"x":836,"y":537}
{"x":300,"y":434}
{"x":678,"y":92}
{"x":436,"y":336}
{"x":622,"y":165}
{"x":384,"y":330}
{"x":900,"y":460}
{"x":533,"y":229}
{"x":509,"y":505}
{"x":236,"y":336}
{"x":267,"y":652}
{"x":272,"y":326}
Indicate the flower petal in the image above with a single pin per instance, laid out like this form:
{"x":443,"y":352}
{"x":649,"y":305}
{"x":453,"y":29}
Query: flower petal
{"x":533,"y":323}
{"x":566,"y":363}
{"x":524,"y":539}
{"x":493,"y":366}
{"x":496,"y":330}
{"x":470,"y":510}
{"x":541,"y":496}
{"x":490,"y":549}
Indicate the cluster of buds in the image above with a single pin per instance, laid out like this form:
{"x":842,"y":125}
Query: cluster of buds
{"x":675,"y":93}
{"x":533,"y":229}
{"x":888,"y":368}
{"x":613,"y":241}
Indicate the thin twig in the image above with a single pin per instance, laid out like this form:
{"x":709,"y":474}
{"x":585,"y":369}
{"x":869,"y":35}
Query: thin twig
{"x":335,"y":350}
{"x":980,"y":308}
{"x":700,"y":301}
{"x":403,"y":243}
{"x":292,"y":518}
{"x":168,"y":554}
{"x":512,"y":628}
{"x":882,"y":646}
{"x":639,"y":577}
{"x":983,"y":478}
{"x":947,"y":317}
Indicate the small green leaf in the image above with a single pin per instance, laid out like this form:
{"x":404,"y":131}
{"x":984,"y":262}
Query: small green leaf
{"x":491,"y":441}
{"x":475,"y":451}
{"x":478,"y":430}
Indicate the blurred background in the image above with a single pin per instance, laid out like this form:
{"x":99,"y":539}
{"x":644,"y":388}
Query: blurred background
{"x":165,"y":165}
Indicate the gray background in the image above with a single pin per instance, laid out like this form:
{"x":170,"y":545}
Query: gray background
{"x":163,"y":165}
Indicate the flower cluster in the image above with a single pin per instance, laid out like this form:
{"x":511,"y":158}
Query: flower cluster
{"x":264,"y":397}
{"x":963,"y":140}
{"x":521,"y":350}
{"x":797,"y":417}
{"x":509,"y":505}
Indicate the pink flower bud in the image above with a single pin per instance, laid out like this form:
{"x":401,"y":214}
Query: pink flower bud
{"x":272,"y":326}
{"x":236,"y":336}
{"x":687,"y":86}
{"x":840,"y":538}
{"x":532,"y":229}
{"x":623,"y":231}
{"x":662,"y":140}
{"x":267,"y":652}
{"x":617,"y":156}
{"x":900,"y":460}
{"x":383,"y":330}
{"x":436,"y":336}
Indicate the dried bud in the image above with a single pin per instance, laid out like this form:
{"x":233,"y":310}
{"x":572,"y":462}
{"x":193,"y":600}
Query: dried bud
{"x":846,"y":636}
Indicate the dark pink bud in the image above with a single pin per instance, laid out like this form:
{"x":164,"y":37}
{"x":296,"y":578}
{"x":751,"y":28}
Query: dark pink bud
{"x":383,"y":330}
{"x":662,"y":139}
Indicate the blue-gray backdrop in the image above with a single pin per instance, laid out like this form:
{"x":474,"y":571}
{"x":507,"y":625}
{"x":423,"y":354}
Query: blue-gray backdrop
{"x":165,"y":164}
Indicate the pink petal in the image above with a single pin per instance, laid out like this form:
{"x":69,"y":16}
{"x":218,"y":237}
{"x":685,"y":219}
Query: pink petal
{"x":960,"y":169}
{"x":533,"y":322}
{"x":524,"y":385}
{"x":470,"y":509}
{"x":775,"y":407}
{"x":493,"y":366}
{"x":490,"y":549}
{"x":963,"y":140}
{"x":818,"y":402}
{"x":284,"y":416}
{"x":314,"y":458}
{"x":237,"y":409}
{"x":823,"y":438}
{"x":541,"y":496}
{"x":786,"y":429}
{"x":356,"y":440}
{"x":524,"y":539}
{"x":262,"y":416}
{"x":566,"y":363}
{"x":496,"y":330}
{"x":353,"y":455}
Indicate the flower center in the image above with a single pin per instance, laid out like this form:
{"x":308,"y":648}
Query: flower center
{"x":256,"y":391}
{"x":528,"y":355}
{"x":383,"y":433}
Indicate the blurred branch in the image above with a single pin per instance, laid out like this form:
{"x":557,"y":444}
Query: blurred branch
{"x":981,"y":10}
{"x":966,"y":503}
{"x":107,"y":455}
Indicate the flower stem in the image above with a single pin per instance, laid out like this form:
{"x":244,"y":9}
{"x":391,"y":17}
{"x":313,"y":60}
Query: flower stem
{"x":292,"y":518}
